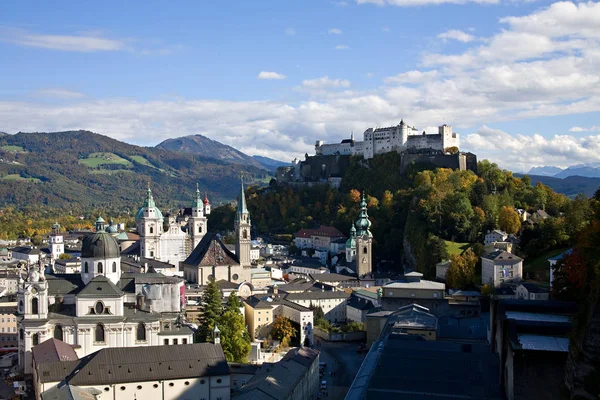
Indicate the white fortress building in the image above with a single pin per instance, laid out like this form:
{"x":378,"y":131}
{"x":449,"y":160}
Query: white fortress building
{"x":394,"y":138}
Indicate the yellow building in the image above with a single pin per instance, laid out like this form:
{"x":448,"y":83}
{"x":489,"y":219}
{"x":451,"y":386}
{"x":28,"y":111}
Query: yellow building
{"x":8,"y":325}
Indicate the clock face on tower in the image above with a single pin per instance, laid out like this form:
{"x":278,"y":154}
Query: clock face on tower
{"x":34,"y":291}
{"x":364,"y":260}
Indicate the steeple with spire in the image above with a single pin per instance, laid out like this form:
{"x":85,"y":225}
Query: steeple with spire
{"x":197,"y":223}
{"x":149,"y":220}
{"x":242,"y":229}
{"x":364,"y":242}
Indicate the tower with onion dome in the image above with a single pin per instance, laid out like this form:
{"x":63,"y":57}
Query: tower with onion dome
{"x":149,"y":220}
{"x":197,"y":223}
{"x":364,"y":242}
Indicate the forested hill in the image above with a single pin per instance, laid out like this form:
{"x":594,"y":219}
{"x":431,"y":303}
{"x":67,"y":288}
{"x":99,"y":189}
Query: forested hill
{"x":85,"y":170}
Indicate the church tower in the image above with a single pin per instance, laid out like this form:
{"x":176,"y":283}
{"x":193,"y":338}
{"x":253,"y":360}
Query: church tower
{"x":364,"y":241}
{"x":351,"y":245}
{"x":242,"y":230}
{"x":149,"y":221}
{"x":57,"y":246}
{"x":197,"y":224}
{"x":32,"y":298}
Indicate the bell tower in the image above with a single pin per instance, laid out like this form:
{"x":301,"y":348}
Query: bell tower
{"x":57,"y":246}
{"x":364,"y":242}
{"x":242,"y":230}
{"x":197,"y":223}
{"x":149,"y":220}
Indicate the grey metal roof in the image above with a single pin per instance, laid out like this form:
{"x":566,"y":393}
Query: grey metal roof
{"x":100,"y":245}
{"x":68,"y":392}
{"x":26,"y":250}
{"x":150,"y":278}
{"x":332,"y":277}
{"x":64,"y":284}
{"x":540,"y":317}
{"x":100,"y":286}
{"x":501,"y":257}
{"x":136,"y":364}
{"x":360,"y":304}
{"x":543,"y":343}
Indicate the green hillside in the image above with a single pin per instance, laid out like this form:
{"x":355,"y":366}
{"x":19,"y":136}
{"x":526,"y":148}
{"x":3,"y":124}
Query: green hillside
{"x":84,"y":170}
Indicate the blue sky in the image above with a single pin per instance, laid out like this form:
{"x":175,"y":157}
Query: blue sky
{"x":518,"y":80}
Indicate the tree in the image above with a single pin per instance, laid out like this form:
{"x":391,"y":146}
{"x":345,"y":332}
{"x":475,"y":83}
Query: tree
{"x":509,"y":220}
{"x":283,"y":330}
{"x":353,"y":327}
{"x":461,"y":272}
{"x":235,"y":339}
{"x":317,"y":312}
{"x":64,"y":256}
{"x":211,"y":309}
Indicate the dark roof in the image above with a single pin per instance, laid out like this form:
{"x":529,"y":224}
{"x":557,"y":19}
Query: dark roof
{"x":151,"y":278}
{"x":223,"y":284}
{"x":257,"y":302}
{"x":326,"y":231}
{"x":211,"y":252}
{"x":100,"y":286}
{"x":100,"y":245}
{"x":239,"y":368}
{"x":53,"y":350}
{"x":533,"y":288}
{"x":25,"y":250}
{"x":136,"y":364}
{"x":133,"y":250}
{"x":501,"y":257}
{"x":64,"y":284}
{"x":360,"y":304}
{"x":332,"y":277}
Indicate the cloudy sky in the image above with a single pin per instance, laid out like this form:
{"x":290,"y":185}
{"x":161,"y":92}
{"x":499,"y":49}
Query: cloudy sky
{"x":519,"y":80}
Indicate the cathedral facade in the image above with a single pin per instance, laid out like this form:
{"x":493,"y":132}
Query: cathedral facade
{"x":99,"y":307}
{"x":170,"y":243}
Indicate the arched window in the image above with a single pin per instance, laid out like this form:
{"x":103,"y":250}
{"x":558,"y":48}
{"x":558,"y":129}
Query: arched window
{"x":58,"y":332}
{"x":245,"y":234}
{"x":364,"y":250}
{"x":200,"y":229}
{"x":99,"y":334}
{"x":151,"y":229}
{"x":86,"y":268}
{"x":34,"y":305}
{"x":36,"y":339}
{"x":100,"y":268}
{"x":114,"y":269}
{"x":141,"y":332}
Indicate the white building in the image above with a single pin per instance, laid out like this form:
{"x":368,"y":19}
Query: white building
{"x":192,"y":371}
{"x":100,"y":307}
{"x":394,"y":138}
{"x":171,"y":245}
{"x":332,"y":302}
{"x":57,"y":246}
{"x":495,"y":236}
{"x":30,"y":255}
{"x":500,"y":267}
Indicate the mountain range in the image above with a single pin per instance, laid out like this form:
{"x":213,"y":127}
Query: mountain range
{"x":589,"y":170}
{"x":61,"y":169}
{"x":208,"y":148}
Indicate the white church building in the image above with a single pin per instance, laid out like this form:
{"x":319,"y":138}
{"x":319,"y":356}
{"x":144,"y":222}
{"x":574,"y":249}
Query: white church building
{"x":99,"y":307}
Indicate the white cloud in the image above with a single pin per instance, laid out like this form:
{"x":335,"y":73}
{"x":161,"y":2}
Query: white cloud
{"x":342,"y":47}
{"x":456,"y":35}
{"x":334,"y":31}
{"x":325,"y":83}
{"x":58,"y":93}
{"x":412,"y":77}
{"x":266,"y":75}
{"x":74,"y":43}
{"x":519,"y":152}
{"x":578,"y":129}
{"x":289,"y":31}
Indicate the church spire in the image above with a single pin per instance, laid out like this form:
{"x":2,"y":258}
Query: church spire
{"x":242,"y":209}
{"x":198,"y":202}
{"x":149,"y":199}
{"x":363,"y":224}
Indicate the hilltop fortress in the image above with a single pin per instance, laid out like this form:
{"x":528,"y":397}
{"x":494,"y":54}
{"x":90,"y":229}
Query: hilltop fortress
{"x":399,"y":138}
{"x":331,"y":160}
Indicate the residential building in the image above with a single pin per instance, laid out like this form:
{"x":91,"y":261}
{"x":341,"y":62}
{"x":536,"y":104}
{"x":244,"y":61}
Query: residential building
{"x":9,"y":279}
{"x":67,"y":266}
{"x":8,"y":325}
{"x":261,"y":311}
{"x":411,"y":319}
{"x":412,"y":289}
{"x":318,"y":238}
{"x":531,"y":291}
{"x":441,"y":269}
{"x":336,"y":280}
{"x":499,"y":267}
{"x":295,"y":377}
{"x":27,"y":254}
{"x":495,"y":236}
{"x":192,"y":371}
{"x":241,"y":374}
{"x":332,"y":302}
{"x":554,"y":260}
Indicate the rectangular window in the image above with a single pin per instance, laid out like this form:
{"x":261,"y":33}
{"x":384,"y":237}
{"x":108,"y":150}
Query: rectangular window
{"x":184,"y":341}
{"x":166,"y":341}
{"x":175,"y":341}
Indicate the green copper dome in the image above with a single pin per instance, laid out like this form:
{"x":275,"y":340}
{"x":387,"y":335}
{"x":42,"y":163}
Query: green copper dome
{"x":351,"y":242}
{"x":149,"y":203}
{"x":362,"y":223}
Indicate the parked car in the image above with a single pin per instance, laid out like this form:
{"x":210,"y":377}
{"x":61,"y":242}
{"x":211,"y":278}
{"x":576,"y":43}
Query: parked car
{"x":323,"y":385}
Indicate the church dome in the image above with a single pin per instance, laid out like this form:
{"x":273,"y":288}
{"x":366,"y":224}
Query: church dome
{"x":149,"y":204}
{"x":100,"y":245}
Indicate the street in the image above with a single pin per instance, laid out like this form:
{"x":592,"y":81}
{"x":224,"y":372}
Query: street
{"x":342,"y":365}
